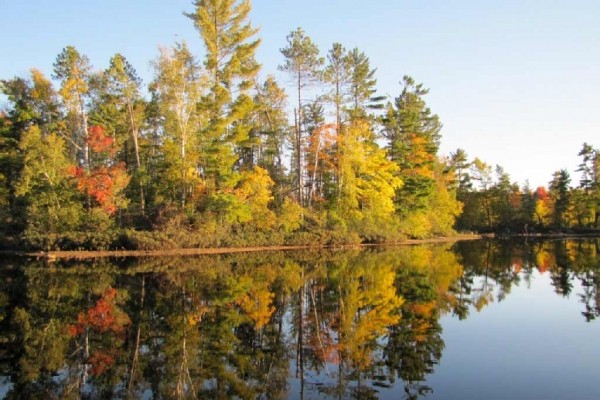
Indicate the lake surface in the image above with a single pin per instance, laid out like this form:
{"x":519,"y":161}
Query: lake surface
{"x":473,"y":320}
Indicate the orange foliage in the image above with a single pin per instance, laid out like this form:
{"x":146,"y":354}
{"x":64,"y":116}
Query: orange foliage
{"x":100,"y":362}
{"x":517,"y":264}
{"x":99,"y":142}
{"x":422,"y":309}
{"x":544,"y":261}
{"x":320,"y":145}
{"x":419,"y":157}
{"x":515,"y":200}
{"x":541,"y":193}
{"x":103,"y":317}
{"x":102,"y":184}
{"x":324,"y":347}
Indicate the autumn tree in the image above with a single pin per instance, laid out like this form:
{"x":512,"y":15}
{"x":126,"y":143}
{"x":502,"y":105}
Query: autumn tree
{"x":543,"y":206}
{"x":269,"y":135}
{"x":367,"y":181}
{"x":413,"y":135}
{"x":178,"y":86}
{"x":122,"y":94}
{"x":44,"y":184}
{"x":303,"y":64}
{"x":106,"y":180}
{"x":230,"y":44}
{"x":73,"y":70}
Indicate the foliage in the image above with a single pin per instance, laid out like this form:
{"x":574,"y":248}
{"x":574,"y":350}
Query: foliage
{"x":214,"y":157}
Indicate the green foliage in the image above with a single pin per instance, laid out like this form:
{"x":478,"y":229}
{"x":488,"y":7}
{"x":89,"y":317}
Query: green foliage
{"x":413,"y":135}
{"x":45,"y":186}
{"x":212,"y":158}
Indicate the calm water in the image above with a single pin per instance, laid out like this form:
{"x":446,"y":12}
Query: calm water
{"x":477,"y":320}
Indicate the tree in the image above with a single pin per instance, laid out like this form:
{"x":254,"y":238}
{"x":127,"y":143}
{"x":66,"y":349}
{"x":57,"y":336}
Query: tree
{"x":230,"y":64}
{"x":590,"y":182}
{"x":52,"y":204}
{"x":367,"y":180}
{"x":337,"y":74}
{"x":482,"y":174}
{"x":559,"y":192}
{"x":362,"y":84}
{"x":460,"y":164}
{"x":543,"y":206}
{"x":178,"y":86}
{"x":123,"y":89}
{"x":73,"y":70}
{"x":107,"y":179}
{"x":413,"y":135}
{"x":269,"y":134}
{"x":303,"y":63}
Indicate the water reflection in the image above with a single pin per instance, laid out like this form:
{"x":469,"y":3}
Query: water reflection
{"x":352,"y":324}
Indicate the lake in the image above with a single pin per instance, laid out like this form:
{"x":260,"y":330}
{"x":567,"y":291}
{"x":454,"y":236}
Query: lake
{"x":472,"y":320}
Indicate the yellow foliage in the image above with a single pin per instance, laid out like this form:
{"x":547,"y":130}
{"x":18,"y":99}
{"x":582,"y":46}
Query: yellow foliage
{"x":290,"y":217}
{"x":254,"y":191}
{"x":258,"y":305}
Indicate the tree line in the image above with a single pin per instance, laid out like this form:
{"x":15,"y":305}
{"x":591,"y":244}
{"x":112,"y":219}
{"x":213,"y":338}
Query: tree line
{"x":492,"y":203}
{"x":216,"y":155}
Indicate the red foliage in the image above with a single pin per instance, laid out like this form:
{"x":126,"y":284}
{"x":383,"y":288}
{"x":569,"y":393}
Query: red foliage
{"x":102,"y":317}
{"x":541,"y":193}
{"x":75,"y":172}
{"x":100,"y":362}
{"x":102,"y":184}
{"x":99,"y":142}
{"x":74,"y":330}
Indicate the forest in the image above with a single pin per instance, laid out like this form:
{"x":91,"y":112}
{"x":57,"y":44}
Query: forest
{"x":211,"y":154}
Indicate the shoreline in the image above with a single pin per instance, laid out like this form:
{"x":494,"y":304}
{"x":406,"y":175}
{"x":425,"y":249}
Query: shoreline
{"x":89,"y":254}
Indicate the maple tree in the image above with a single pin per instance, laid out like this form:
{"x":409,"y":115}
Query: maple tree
{"x":106,"y":181}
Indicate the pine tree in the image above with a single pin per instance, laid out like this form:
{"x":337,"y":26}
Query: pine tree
{"x":413,"y":135}
{"x":560,"y":194}
{"x":73,"y":70}
{"x":362,"y":85}
{"x":337,"y":74}
{"x":231,"y":67}
{"x":269,"y":135}
{"x":121,"y":92}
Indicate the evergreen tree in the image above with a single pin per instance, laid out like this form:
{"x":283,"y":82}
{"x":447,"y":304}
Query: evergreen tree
{"x":269,"y":134}
{"x":413,"y":135}
{"x":362,"y":85}
{"x":590,"y":183}
{"x":231,"y":66}
{"x":337,"y":74}
{"x":123,"y":92}
{"x":560,"y":194}
{"x":460,"y":164}
{"x":73,"y":70}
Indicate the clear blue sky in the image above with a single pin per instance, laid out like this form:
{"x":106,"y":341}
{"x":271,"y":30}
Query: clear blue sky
{"x":515,"y":82}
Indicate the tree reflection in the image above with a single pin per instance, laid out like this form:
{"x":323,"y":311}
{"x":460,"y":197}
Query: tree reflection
{"x":270,"y":326}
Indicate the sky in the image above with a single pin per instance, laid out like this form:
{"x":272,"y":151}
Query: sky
{"x":515,"y":82}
